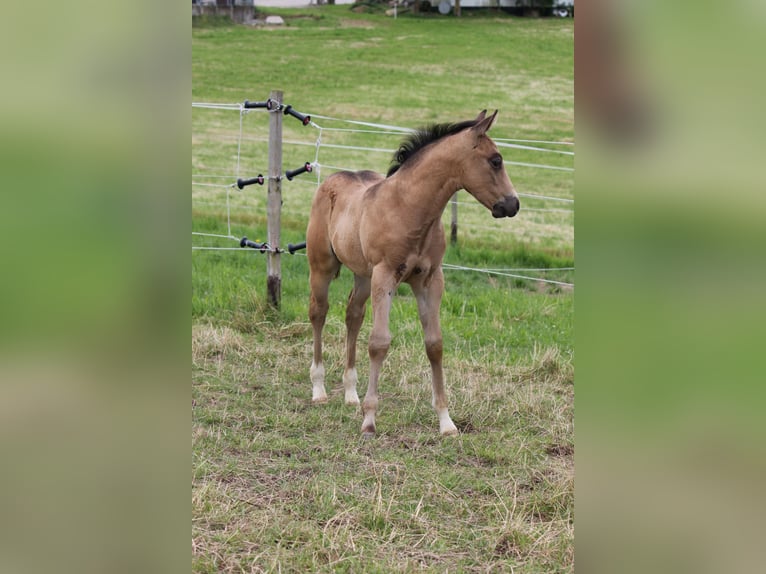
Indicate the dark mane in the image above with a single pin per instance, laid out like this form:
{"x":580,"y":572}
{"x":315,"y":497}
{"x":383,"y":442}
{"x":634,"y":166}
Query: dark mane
{"x":421,"y":138}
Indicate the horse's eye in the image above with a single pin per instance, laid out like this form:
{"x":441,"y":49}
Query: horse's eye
{"x":496,"y":161}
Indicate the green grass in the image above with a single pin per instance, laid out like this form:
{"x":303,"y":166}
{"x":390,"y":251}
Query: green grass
{"x":281,"y":485}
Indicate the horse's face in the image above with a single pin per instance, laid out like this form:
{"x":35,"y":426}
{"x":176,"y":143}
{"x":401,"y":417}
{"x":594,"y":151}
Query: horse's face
{"x":484,"y":174}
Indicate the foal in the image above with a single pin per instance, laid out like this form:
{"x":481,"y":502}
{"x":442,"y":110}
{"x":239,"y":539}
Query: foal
{"x":388,"y":231}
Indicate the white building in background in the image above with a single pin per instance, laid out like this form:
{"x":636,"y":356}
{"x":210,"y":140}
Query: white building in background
{"x":561,"y":8}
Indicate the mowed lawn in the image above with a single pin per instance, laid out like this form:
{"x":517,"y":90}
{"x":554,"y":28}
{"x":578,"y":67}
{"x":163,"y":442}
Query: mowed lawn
{"x":280,"y":485}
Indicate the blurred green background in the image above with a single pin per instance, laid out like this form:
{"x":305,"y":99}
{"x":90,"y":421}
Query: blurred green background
{"x":669,"y":307}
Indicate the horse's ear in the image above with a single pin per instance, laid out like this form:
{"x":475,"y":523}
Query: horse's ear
{"x":484,"y":124}
{"x":481,"y":116}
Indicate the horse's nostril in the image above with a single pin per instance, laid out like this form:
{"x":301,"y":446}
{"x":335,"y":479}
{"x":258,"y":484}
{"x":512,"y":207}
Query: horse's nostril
{"x":506,"y":207}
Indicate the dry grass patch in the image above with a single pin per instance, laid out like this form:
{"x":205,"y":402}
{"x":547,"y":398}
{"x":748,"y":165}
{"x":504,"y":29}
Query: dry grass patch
{"x":212,"y":344}
{"x":280,"y":485}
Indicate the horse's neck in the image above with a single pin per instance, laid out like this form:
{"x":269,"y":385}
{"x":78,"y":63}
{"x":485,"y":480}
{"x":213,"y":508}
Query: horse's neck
{"x":430,"y":184}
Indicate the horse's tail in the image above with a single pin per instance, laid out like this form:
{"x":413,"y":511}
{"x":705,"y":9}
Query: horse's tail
{"x":318,"y":246}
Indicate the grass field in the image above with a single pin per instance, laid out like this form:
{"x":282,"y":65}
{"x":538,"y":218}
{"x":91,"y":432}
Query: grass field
{"x":281,"y":485}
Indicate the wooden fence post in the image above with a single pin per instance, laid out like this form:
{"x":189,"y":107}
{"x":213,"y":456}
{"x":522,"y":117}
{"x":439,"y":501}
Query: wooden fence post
{"x":274,"y":205}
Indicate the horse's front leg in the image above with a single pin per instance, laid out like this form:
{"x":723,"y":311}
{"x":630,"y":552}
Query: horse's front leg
{"x":429,"y":295}
{"x":383,"y":287}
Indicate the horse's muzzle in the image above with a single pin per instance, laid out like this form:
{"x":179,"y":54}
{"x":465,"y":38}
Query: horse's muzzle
{"x":506,"y":207}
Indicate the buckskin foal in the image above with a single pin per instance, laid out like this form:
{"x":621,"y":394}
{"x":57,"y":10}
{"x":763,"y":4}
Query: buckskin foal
{"x":388,"y":230}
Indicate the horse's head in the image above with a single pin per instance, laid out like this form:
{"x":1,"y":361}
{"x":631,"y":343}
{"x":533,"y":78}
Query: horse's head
{"x":484,"y":174}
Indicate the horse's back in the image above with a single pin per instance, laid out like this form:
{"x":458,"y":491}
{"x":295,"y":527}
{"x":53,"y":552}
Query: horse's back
{"x":339,"y":191}
{"x":350,"y":181}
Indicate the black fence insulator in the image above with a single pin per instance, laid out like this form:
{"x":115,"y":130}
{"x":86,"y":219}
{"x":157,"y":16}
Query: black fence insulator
{"x":262,"y":247}
{"x":268,"y":104}
{"x":251,"y":105}
{"x":305,"y":120}
{"x":245,"y":182}
{"x":293,"y":247}
{"x":291,"y":173}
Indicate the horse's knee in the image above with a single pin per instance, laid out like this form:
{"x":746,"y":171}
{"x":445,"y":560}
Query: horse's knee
{"x":318,"y":309}
{"x":379,"y":344}
{"x":434,"y":349}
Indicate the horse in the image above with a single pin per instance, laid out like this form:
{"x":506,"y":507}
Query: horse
{"x":387,"y":231}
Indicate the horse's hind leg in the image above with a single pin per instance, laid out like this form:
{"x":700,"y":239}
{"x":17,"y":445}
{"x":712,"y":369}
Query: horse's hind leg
{"x":428,"y":296}
{"x":355,"y":311}
{"x":320,"y":276}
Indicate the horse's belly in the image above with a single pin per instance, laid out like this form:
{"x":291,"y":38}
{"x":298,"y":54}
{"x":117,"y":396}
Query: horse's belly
{"x":348,"y":249}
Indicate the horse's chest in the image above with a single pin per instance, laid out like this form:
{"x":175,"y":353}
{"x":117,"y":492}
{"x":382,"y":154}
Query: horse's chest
{"x":414,"y":256}
{"x":414,"y":269}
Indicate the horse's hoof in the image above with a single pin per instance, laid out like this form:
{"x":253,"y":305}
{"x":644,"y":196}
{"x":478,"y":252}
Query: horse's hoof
{"x":368,"y":431}
{"x":319,"y":401}
{"x":450,"y":432}
{"x":351,"y":398}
